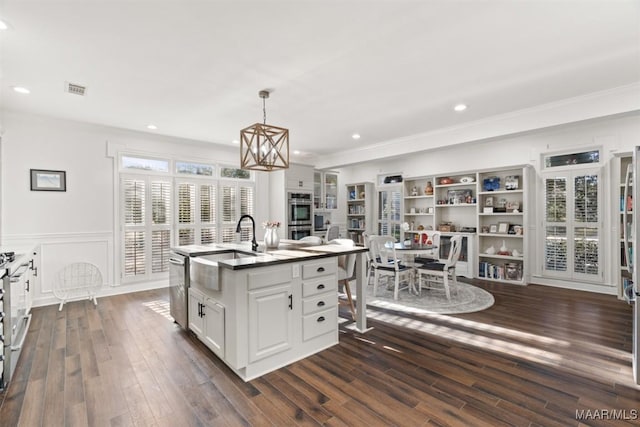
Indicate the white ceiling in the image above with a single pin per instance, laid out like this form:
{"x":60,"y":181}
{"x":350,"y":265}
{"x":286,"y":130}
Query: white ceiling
{"x":384,"y":69}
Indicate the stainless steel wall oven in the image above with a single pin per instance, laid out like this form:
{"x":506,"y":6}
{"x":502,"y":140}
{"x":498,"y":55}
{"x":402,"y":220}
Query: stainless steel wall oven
{"x":299,"y":215}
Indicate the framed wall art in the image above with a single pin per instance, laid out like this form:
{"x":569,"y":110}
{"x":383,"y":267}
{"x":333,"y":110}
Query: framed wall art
{"x":48,"y":180}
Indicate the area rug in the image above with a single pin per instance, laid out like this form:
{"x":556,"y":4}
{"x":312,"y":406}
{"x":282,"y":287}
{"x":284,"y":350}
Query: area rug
{"x":465,"y":298}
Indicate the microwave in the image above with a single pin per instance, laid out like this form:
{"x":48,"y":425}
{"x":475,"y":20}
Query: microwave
{"x":319,"y":221}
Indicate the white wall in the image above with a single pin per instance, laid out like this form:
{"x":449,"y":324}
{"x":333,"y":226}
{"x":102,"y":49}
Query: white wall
{"x":80,"y":221}
{"x":614,"y":135}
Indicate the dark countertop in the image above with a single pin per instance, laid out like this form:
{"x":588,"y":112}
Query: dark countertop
{"x":288,"y":251}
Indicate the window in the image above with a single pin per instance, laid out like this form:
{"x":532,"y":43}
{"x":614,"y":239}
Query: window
{"x":197,"y":216}
{"x":159,"y":209}
{"x":146,"y":213}
{"x":189,"y":168}
{"x":571,"y":228}
{"x":560,"y":160}
{"x":153,"y":165}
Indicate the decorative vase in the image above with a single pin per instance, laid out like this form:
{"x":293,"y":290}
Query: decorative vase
{"x":503,"y":248}
{"x":271,"y":238}
{"x":428,"y":190}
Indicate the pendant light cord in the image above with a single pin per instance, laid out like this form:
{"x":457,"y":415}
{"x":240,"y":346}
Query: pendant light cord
{"x":264,"y":111}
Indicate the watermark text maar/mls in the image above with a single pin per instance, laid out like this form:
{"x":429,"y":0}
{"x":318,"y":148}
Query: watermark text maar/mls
{"x":607,"y":414}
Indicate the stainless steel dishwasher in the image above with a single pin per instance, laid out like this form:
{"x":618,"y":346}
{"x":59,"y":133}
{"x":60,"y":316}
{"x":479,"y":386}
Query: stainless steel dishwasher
{"x":179,"y":289}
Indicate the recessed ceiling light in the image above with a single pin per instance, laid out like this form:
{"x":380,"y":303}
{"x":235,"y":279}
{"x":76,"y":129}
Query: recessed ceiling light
{"x":296,"y":151}
{"x":355,"y":136}
{"x":460,"y":107}
{"x":3,"y":25}
{"x":152,"y":127}
{"x":21,"y":89}
{"x":235,"y":141}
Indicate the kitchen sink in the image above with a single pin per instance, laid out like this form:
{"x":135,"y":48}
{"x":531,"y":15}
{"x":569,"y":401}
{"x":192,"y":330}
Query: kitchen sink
{"x":204,"y":269}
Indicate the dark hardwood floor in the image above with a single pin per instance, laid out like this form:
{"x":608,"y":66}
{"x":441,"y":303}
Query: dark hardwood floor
{"x":535,"y":358}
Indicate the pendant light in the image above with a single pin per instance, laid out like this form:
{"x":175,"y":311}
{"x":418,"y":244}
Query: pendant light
{"x":264,"y":147}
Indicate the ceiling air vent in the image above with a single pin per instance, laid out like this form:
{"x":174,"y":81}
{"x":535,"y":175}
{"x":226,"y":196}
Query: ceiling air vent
{"x":75,"y":89}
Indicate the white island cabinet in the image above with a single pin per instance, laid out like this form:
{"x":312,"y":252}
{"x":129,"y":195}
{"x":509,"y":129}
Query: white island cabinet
{"x":268,"y":315}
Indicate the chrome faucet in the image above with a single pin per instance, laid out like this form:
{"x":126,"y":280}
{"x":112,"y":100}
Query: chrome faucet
{"x":254,"y":244}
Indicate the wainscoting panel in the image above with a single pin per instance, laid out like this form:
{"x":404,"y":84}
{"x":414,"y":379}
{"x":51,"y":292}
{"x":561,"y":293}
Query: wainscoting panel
{"x":56,"y":251}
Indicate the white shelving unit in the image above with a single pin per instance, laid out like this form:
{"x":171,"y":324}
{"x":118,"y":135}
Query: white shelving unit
{"x":359,"y":211}
{"x":502,"y":222}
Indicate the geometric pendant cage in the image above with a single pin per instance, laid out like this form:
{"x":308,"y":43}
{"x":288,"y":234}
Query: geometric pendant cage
{"x":264,"y":147}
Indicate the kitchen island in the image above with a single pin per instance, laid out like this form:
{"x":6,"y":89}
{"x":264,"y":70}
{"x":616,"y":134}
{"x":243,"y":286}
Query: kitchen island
{"x":259,"y":311}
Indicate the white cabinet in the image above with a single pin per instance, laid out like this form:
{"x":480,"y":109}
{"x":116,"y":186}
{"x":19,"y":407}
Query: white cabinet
{"x":299,"y":177}
{"x":267,"y":317}
{"x":270,"y":321}
{"x":319,"y":299}
{"x":503,"y":208}
{"x":325,"y":190}
{"x":206,"y":320}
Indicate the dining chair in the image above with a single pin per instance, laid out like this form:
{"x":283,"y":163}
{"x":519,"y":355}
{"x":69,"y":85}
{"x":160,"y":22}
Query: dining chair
{"x":346,"y":270}
{"x":333,"y":232}
{"x":313,"y":240}
{"x":369,"y":266}
{"x":385,"y":263}
{"x":433,"y":274}
{"x":426,"y":236}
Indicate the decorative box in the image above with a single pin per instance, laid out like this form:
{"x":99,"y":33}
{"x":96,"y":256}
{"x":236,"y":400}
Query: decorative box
{"x":491,"y":184}
{"x":512,"y":182}
{"x":447,"y":228}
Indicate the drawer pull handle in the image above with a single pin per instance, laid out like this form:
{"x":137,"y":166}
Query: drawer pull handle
{"x":320,"y":286}
{"x":320,"y":269}
{"x":320,"y":319}
{"x":320,"y":303}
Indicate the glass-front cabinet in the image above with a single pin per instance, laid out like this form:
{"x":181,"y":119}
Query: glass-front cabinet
{"x":325,"y":190}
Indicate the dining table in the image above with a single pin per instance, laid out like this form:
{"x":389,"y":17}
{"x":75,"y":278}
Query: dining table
{"x":408,"y":253}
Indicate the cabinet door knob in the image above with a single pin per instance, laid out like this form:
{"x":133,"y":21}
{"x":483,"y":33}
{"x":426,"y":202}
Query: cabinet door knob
{"x":320,"y":319}
{"x":320,"y":286}
{"x":320,"y":304}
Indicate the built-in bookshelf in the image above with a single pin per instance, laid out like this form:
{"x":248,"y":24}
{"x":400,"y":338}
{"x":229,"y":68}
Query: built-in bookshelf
{"x":359,"y":210}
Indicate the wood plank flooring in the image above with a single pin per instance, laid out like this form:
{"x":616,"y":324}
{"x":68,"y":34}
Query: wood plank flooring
{"x":535,"y":358}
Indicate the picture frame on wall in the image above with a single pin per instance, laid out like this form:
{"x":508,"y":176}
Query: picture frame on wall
{"x":48,"y":180}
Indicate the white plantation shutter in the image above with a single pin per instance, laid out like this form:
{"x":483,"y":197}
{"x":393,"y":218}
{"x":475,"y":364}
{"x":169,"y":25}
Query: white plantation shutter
{"x":160,"y":242}
{"x":208,"y":203}
{"x":161,"y":202}
{"x":236,"y":200}
{"x":229,"y":209}
{"x":134,"y":201}
{"x":146,"y":218}
{"x":186,"y":203}
{"x":208,"y":213}
{"x":160,"y":225}
{"x":572,"y":229}
{"x":246,"y":201}
{"x":134,"y":253}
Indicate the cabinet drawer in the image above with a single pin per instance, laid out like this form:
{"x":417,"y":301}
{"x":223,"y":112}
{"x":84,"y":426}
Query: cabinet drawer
{"x":319,"y":285}
{"x":319,"y":302}
{"x":319,"y":268}
{"x":320,"y":323}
